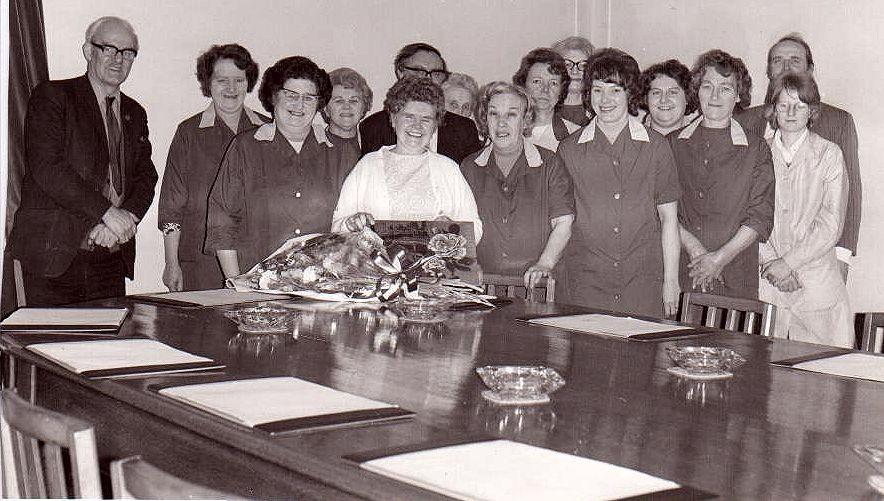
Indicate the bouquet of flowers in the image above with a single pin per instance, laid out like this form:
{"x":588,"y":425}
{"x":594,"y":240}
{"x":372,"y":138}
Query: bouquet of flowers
{"x":356,"y":266}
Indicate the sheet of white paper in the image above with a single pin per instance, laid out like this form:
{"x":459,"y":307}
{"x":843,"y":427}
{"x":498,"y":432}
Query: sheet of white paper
{"x":216,"y":297}
{"x":598,"y":323}
{"x":81,"y":356}
{"x":511,"y":471}
{"x":265,"y":400}
{"x":857,"y":365}
{"x":66,"y":318}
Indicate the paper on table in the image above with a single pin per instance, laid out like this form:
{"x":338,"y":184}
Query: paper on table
{"x":506,"y":470}
{"x":106,"y":354}
{"x":266,"y":400}
{"x":68,"y":319}
{"x":856,"y":365}
{"x":212,"y":297}
{"x":598,"y":323}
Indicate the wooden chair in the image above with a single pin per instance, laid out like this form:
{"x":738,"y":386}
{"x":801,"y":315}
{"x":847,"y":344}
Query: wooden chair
{"x":135,"y":478}
{"x":514,"y":286}
{"x":32,"y":441}
{"x":871,"y":339}
{"x":733,"y":314}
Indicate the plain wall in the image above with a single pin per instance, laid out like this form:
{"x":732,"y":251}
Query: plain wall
{"x":844,"y":36}
{"x":485,"y":39}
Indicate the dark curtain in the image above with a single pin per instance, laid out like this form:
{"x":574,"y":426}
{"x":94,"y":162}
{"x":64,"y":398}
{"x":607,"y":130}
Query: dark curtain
{"x":27,"y":68}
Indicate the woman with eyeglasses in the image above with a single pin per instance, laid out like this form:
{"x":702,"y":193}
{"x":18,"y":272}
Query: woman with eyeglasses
{"x":281,"y":180}
{"x":226,"y":73}
{"x":407,"y":181}
{"x":800,"y":272}
{"x":544,"y":74}
{"x":576,"y":51}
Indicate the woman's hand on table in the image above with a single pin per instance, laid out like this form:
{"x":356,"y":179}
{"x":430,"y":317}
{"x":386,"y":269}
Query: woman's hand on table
{"x":173,"y":277}
{"x":671,"y":292}
{"x":358,"y":221}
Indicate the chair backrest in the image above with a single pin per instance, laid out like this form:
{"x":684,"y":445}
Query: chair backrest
{"x":872,"y":340}
{"x":514,"y":286}
{"x":733,"y":314}
{"x":135,"y":478}
{"x":34,"y":441}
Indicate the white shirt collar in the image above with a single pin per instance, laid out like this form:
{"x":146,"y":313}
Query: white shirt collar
{"x":738,"y":135}
{"x":637,"y":131}
{"x":267,"y":132}
{"x":207,"y":119}
{"x":532,"y":155}
{"x":788,"y":152}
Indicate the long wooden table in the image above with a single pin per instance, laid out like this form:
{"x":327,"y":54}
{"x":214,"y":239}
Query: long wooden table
{"x":767,"y":433}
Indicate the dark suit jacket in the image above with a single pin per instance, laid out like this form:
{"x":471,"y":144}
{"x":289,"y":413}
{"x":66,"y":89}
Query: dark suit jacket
{"x":837,"y":126}
{"x":67,"y":165}
{"x":458,"y":136}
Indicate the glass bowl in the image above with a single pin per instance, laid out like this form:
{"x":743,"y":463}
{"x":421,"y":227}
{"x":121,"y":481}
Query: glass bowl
{"x":705,"y":359}
{"x":421,"y":310}
{"x":519,"y":384}
{"x":265,"y":319}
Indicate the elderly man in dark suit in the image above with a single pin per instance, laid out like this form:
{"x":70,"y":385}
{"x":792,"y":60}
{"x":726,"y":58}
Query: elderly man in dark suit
{"x":89,"y":177}
{"x":456,"y":137}
{"x":792,"y":54}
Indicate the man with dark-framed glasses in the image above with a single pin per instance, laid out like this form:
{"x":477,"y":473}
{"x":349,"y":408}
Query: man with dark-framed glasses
{"x":89,"y":177}
{"x":456,"y":136}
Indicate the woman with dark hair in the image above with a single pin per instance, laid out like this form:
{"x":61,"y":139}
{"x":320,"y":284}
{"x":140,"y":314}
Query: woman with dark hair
{"x":663,"y":91}
{"x":623,"y":253}
{"x":350,"y":100}
{"x":524,"y":195}
{"x":544,"y":74}
{"x":798,"y":262}
{"x":407,"y":181}
{"x":576,"y":51}
{"x":281,"y":180}
{"x":226,"y":73}
{"x":727,"y":178}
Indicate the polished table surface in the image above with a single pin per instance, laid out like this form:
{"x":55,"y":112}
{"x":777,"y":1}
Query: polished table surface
{"x":767,"y":433}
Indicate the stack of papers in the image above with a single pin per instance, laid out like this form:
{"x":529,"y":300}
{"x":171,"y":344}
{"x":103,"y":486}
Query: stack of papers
{"x":625,"y":327}
{"x":212,"y":297}
{"x":506,"y":470}
{"x":282,"y":404}
{"x":121,"y":357}
{"x":65,"y":319}
{"x":853,"y":365}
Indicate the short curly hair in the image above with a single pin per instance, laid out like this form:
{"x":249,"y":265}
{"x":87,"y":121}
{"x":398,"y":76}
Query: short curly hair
{"x":573,"y":43}
{"x":349,"y":78}
{"x":497,"y":88}
{"x":465,"y":82}
{"x":726,"y":65}
{"x":205,"y":65}
{"x":674,"y":69}
{"x":612,"y":66}
{"x":298,"y":67}
{"x":556,"y":67}
{"x":413,"y":88}
{"x":802,"y":84}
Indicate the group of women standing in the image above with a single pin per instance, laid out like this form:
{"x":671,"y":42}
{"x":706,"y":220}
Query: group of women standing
{"x":570,"y":181}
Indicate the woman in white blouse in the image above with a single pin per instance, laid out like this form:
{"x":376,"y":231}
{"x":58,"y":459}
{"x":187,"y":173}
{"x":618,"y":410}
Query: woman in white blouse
{"x":798,"y":262}
{"x":407,"y":181}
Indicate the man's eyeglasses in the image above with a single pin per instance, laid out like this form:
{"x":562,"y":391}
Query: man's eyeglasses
{"x":437,"y":76}
{"x":111,"y":51}
{"x":580,"y":65}
{"x":294,"y":97}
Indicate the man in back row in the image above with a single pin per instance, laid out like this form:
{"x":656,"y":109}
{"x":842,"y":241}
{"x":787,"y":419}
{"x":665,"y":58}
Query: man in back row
{"x":456,"y":136}
{"x":89,"y":178}
{"x":791,"y":53}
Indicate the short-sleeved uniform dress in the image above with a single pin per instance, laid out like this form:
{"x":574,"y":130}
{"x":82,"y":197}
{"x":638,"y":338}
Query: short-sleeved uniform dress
{"x":727,"y":181}
{"x":516,"y":209}
{"x":194,"y":158}
{"x":614,"y":260}
{"x":267,"y":192}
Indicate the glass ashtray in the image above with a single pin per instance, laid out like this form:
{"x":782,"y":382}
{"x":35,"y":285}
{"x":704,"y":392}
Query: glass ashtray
{"x":421,"y":310}
{"x":519,"y":384}
{"x":705,"y":360}
{"x":265,"y":319}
